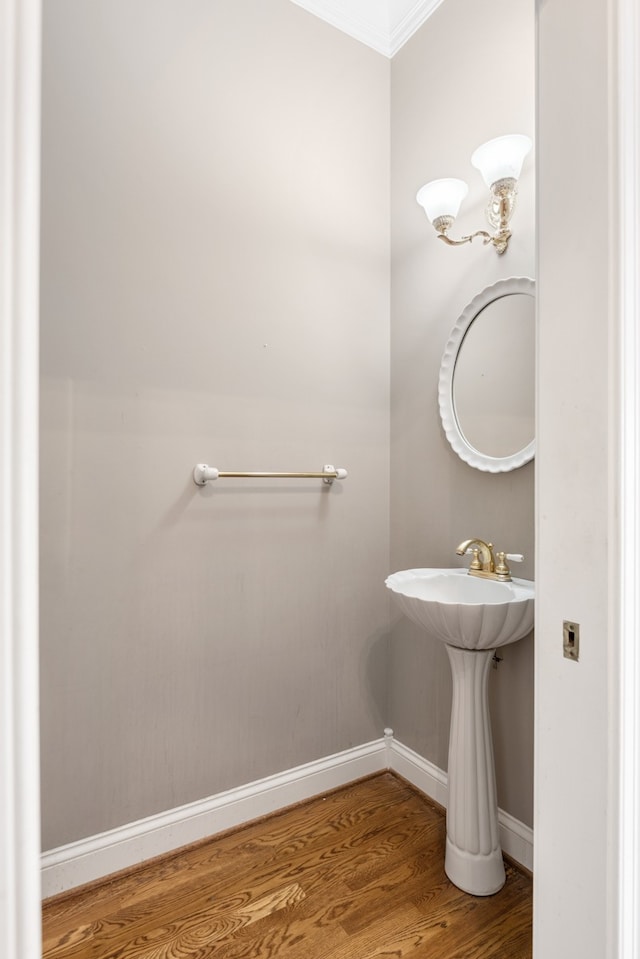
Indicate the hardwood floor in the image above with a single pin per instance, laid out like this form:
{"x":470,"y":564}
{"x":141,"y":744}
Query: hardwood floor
{"x":352,"y":875}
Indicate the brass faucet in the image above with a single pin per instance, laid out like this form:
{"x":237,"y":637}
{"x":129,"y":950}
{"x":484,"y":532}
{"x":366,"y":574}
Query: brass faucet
{"x":484,"y":563}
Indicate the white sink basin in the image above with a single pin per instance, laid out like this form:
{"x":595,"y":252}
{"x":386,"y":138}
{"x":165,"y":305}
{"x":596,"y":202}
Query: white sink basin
{"x":462,"y":610}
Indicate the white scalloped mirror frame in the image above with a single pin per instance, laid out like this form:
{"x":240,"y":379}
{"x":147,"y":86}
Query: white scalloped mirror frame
{"x":459,"y":443}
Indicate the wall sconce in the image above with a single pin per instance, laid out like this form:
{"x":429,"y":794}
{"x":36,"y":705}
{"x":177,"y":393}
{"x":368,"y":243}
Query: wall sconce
{"x":500,"y":162}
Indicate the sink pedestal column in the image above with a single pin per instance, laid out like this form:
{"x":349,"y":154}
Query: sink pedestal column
{"x":473,"y":860}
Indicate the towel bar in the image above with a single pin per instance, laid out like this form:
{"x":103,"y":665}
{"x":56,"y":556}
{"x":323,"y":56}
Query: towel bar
{"x":203,"y":473}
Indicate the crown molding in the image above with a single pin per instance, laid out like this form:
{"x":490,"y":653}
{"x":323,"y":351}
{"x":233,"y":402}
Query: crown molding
{"x":384,"y":26}
{"x":353,"y":18}
{"x":403,"y":27}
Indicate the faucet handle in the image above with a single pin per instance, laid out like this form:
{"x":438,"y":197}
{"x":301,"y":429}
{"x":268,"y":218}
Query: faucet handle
{"x":502,"y":569}
{"x":475,"y":552}
{"x":514,"y":557}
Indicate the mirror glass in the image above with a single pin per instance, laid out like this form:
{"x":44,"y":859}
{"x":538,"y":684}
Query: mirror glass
{"x":487,"y":379}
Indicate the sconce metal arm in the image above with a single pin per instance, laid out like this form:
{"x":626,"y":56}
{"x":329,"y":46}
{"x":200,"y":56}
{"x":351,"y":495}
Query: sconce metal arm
{"x":465,"y":239}
{"x":500,"y":240}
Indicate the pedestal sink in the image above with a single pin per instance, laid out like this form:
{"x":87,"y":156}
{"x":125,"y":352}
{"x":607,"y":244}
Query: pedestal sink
{"x":472,"y":616}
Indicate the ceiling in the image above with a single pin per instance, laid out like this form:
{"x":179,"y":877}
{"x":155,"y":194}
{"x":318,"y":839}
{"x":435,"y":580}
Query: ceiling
{"x":382,"y":24}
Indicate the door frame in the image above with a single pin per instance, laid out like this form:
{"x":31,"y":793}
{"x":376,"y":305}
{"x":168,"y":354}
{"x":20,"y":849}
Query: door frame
{"x":20,"y":21}
{"x":624,"y":559}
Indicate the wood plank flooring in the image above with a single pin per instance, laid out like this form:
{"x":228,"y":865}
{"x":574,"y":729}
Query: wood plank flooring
{"x":356,"y":874}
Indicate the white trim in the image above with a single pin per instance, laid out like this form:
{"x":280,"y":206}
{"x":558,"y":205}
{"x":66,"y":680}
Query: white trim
{"x":89,"y":859}
{"x":422,"y":774}
{"x":386,"y":36}
{"x":626,"y":523}
{"x":374,"y":35}
{"x":405,"y":28}
{"x":98,"y":856}
{"x":516,"y":839}
{"x":19,"y":274}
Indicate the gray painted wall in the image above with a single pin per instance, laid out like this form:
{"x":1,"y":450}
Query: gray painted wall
{"x":466,"y":76}
{"x":215,"y":287}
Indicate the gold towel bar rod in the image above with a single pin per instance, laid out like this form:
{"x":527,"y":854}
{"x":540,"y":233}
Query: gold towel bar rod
{"x":203,"y":473}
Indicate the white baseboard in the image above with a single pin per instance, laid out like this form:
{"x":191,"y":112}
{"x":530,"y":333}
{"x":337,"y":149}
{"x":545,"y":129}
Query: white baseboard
{"x":429,"y":779}
{"x":89,"y":859}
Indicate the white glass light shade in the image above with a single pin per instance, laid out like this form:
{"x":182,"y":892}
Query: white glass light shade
{"x":502,"y":157}
{"x":442,"y":197}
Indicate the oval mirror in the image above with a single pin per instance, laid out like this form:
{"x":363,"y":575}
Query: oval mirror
{"x":487,"y":378}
